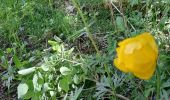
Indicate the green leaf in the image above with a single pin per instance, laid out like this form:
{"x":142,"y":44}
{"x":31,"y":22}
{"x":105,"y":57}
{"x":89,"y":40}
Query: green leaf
{"x":9,"y":50}
{"x":165,"y":95}
{"x":1,"y":53}
{"x":17,"y":61}
{"x":30,"y":85}
{"x":76,"y":79}
{"x":26,"y":71}
{"x":70,"y":51}
{"x":36,"y":81}
{"x":46,"y":87}
{"x":167,"y":1}
{"x":65,"y":71}
{"x":45,"y":67}
{"x":52,"y":43}
{"x":55,"y":45}
{"x":148,"y":91}
{"x":57,"y":39}
{"x":4,"y":62}
{"x":64,"y":83}
{"x":35,"y":97}
{"x":22,"y":90}
{"x":29,"y":95}
{"x":120,"y":23}
{"x":134,"y":2}
{"x":165,"y":84}
{"x":52,"y":93}
{"x":40,"y":81}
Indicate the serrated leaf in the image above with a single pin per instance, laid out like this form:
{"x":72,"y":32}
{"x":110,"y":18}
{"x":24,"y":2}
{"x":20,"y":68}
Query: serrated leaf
{"x":166,"y":85}
{"x":22,"y":90}
{"x":26,"y":71}
{"x":165,"y":95}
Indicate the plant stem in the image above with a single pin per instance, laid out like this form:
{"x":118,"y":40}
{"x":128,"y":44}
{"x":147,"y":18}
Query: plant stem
{"x":125,"y":19}
{"x":158,"y":84}
{"x":86,"y":26}
{"x":120,"y":96}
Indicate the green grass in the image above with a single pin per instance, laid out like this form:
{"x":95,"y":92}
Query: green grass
{"x":31,"y":18}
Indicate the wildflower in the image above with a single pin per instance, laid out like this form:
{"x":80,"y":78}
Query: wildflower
{"x":137,"y":55}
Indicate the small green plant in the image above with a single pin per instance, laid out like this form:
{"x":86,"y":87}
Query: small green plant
{"x":56,"y":75}
{"x":10,"y":61}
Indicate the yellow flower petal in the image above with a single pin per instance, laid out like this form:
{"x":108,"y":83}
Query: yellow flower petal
{"x":147,"y":74}
{"x":131,"y":47}
{"x":120,"y":65}
{"x":137,"y":55}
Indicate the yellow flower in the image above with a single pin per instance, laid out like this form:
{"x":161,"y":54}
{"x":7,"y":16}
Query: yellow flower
{"x":137,"y":55}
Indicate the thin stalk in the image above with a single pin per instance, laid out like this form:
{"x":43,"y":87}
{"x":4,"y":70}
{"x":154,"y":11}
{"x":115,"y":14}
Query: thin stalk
{"x":1,"y":65}
{"x":112,"y":14}
{"x":158,"y":84}
{"x":110,"y":81}
{"x":125,"y":19}
{"x":120,"y":96}
{"x":86,"y":26}
{"x":49,"y":1}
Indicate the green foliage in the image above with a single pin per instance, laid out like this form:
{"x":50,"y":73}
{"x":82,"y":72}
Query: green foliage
{"x":90,"y":2}
{"x":10,"y":61}
{"x":57,"y":73}
{"x":22,"y":90}
{"x":31,"y":18}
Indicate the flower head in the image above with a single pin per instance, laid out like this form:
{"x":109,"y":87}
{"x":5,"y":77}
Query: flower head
{"x":137,"y":55}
